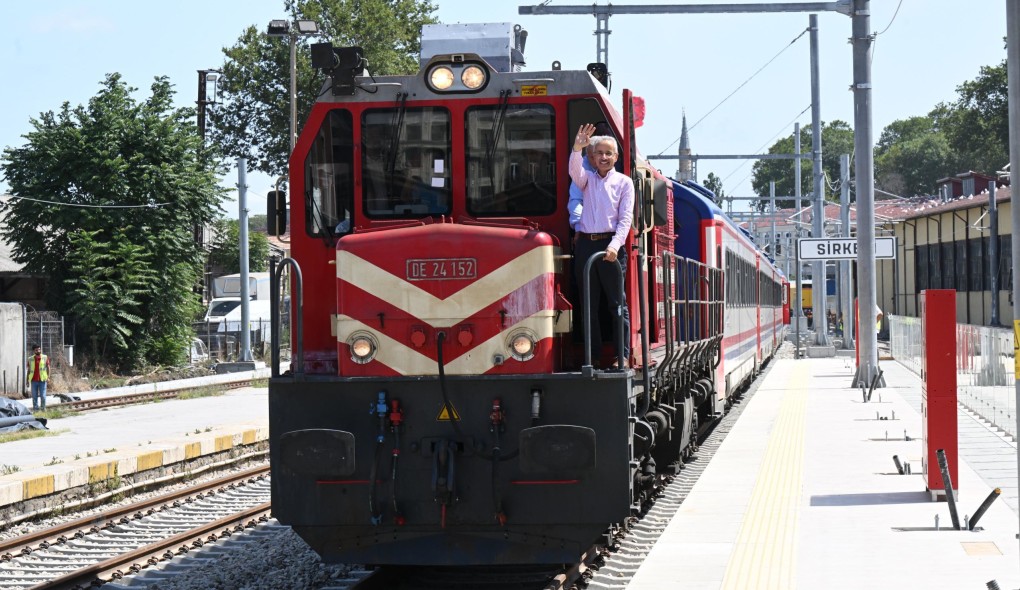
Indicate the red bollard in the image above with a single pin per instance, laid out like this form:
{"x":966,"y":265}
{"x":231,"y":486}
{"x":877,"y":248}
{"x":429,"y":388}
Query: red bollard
{"x":938,"y":390}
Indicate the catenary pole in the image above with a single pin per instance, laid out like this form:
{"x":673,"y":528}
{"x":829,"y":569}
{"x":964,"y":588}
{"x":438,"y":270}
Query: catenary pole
{"x":845,"y":266}
{"x":774,"y":241}
{"x":1013,"y":86}
{"x":242,"y":219}
{"x":864,"y":159}
{"x":799,"y":272}
{"x":993,"y":251}
{"x":820,"y":289}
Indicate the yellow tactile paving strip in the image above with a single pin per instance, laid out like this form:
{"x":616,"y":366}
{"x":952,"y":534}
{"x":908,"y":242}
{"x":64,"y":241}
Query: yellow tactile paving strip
{"x":46,"y":480}
{"x":765,"y":553}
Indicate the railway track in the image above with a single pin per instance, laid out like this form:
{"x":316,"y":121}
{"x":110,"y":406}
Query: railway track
{"x":91,"y":550}
{"x":72,"y":404}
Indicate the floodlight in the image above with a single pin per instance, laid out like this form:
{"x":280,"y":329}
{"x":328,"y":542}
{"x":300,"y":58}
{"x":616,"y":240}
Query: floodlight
{"x":278,"y":28}
{"x":306,"y":27}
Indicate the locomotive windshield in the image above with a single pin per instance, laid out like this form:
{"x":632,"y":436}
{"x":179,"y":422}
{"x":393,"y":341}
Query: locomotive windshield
{"x":405,"y":168}
{"x":329,"y":179}
{"x":511,"y":160}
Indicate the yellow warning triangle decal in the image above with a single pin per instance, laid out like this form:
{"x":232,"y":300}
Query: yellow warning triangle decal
{"x":445,"y":411}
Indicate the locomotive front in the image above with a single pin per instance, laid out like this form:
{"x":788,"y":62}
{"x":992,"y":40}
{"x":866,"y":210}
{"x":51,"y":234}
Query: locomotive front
{"x":431,"y":420}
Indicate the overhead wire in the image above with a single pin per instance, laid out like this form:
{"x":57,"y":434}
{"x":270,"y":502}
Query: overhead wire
{"x":737,"y":89}
{"x":83,"y":205}
{"x":764,"y":145}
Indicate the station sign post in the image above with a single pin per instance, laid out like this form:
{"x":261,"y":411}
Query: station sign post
{"x":841,"y":248}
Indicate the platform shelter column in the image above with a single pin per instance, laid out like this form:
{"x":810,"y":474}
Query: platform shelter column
{"x":938,"y":390}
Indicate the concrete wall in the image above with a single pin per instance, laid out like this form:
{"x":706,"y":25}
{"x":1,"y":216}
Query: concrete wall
{"x":12,"y":349}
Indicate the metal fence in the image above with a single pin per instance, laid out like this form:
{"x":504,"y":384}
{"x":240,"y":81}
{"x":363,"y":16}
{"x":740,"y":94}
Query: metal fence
{"x":984,"y":367}
{"x":46,"y":329}
{"x":224,"y":339}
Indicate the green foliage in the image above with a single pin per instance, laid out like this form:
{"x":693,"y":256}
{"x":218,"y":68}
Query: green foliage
{"x":837,"y":139}
{"x":117,"y":188}
{"x":977,"y":124}
{"x":104,"y":291}
{"x":971,"y":133}
{"x":225,"y":252}
{"x":714,"y":184}
{"x":911,"y":155}
{"x":254,"y":119}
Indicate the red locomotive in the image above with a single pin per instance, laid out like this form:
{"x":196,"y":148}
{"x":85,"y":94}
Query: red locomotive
{"x":444,"y":405}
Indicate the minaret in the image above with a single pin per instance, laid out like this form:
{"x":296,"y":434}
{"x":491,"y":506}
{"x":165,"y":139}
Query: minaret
{"x":686,"y":166}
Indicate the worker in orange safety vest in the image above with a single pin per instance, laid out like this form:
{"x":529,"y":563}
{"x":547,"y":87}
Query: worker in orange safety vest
{"x":38,"y":371}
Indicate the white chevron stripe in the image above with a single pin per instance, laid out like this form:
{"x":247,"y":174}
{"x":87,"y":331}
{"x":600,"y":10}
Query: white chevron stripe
{"x":442,"y":313}
{"x":407,"y":361}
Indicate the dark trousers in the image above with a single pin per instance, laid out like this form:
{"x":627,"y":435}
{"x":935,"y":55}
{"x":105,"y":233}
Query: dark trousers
{"x":604,"y":280}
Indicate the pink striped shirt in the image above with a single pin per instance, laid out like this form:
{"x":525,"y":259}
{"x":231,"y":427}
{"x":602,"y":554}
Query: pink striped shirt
{"x":608,"y":202}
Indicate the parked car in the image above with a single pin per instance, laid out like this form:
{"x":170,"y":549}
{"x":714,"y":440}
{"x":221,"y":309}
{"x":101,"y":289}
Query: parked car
{"x":197,"y":352}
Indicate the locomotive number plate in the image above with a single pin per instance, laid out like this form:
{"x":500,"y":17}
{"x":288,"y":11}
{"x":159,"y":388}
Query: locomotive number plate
{"x":439,"y":269}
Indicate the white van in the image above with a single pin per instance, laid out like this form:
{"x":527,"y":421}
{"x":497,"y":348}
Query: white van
{"x":220,"y":307}
{"x":258,"y":319}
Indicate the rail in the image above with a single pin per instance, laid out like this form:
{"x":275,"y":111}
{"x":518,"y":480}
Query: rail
{"x":984,"y":367}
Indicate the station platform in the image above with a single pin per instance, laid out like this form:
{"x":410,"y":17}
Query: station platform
{"x":804,"y":493}
{"x":103,"y":451}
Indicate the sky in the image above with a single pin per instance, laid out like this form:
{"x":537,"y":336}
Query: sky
{"x":60,"y":51}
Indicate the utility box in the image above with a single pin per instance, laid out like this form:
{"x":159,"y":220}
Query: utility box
{"x":938,"y":389}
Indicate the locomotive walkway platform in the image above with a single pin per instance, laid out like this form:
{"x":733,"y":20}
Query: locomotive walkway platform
{"x":98,"y":450}
{"x":804,"y":493}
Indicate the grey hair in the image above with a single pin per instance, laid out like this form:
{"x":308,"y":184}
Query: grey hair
{"x":597,"y":139}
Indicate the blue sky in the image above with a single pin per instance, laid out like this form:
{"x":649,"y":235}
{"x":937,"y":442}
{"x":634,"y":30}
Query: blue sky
{"x":60,"y":50}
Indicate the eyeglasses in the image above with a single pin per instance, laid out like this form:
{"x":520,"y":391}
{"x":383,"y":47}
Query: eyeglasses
{"x":606,"y":154}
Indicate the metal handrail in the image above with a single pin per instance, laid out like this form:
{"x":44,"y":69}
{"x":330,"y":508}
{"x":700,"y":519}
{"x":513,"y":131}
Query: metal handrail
{"x":275,"y":272}
{"x":587,"y":310}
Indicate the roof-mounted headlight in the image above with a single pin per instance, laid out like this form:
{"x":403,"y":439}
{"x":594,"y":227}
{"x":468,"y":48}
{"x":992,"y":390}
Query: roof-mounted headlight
{"x":363,"y":347}
{"x":456,"y":75}
{"x":441,"y":78}
{"x":473,"y":77}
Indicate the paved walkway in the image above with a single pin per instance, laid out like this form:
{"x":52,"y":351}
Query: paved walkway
{"x":804,"y":494}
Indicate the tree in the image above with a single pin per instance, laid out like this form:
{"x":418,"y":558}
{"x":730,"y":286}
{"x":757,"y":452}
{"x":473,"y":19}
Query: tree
{"x":837,"y":139}
{"x":714,"y":184}
{"x":128,"y":182}
{"x":225,"y":253}
{"x":110,"y":279}
{"x":911,"y":155}
{"x":254,"y":120}
{"x":977,"y":124}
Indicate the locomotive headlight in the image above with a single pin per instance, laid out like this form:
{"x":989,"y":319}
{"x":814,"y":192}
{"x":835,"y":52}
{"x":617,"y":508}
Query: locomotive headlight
{"x":521,"y":345}
{"x":441,"y":78}
{"x":473,"y":77}
{"x":453,"y":73}
{"x":363,"y":347}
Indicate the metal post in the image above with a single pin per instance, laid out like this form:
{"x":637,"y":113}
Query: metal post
{"x":798,"y":270}
{"x":602,"y":39}
{"x":993,"y":251}
{"x":242,"y":213}
{"x":940,"y":455}
{"x":201,"y":103}
{"x":864,"y":173}
{"x":819,"y":289}
{"x":1013,"y":85}
{"x":846,"y":266}
{"x":984,"y":508}
{"x":293,"y":88}
{"x":774,"y":241}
